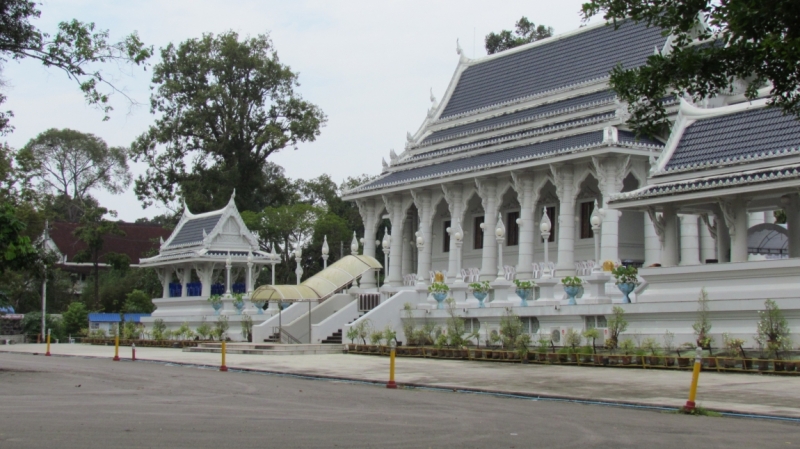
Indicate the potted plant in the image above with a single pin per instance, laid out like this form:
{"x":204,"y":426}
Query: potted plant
{"x":238,"y":302}
{"x":627,"y":347}
{"x":572,"y":286}
{"x":542,"y":350}
{"x":439,"y":291}
{"x":522,"y":346}
{"x":259,"y":305}
{"x":524,"y":290}
{"x":651,"y":345}
{"x":352,"y":334}
{"x":626,"y":280}
{"x":375,"y":338}
{"x":733,"y":347}
{"x":479,"y":291}
{"x":668,"y":339}
{"x":572,"y":339}
{"x":216,"y":302}
{"x":684,"y":362}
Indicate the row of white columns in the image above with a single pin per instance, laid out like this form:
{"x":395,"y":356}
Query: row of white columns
{"x":609,"y":172}
{"x":206,"y":273}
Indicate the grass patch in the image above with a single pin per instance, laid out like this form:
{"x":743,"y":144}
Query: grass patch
{"x":699,"y":411}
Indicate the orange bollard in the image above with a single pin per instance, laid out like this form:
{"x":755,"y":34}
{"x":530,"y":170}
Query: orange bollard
{"x":133,"y":351}
{"x":223,"y":367}
{"x":48,"y":343}
{"x":391,"y":384}
{"x":698,"y":361}
{"x":116,"y":346}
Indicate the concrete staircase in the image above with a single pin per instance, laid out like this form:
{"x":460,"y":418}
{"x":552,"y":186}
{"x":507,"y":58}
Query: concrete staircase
{"x":336,"y":337}
{"x":266,"y":349}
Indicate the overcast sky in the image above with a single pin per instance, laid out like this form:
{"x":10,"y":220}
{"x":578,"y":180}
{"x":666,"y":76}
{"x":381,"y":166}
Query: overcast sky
{"x":368,"y":64}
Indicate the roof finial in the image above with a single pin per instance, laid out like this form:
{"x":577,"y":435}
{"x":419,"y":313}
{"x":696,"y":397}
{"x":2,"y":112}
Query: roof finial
{"x":385,"y":165}
{"x":459,"y":51}
{"x":392,"y":156}
{"x":433,"y":98}
{"x":409,"y":137}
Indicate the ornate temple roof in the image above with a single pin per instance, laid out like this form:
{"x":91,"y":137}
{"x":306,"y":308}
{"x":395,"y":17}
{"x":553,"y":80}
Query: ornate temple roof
{"x":573,"y":58}
{"x":545,"y":99}
{"x":212,"y":236}
{"x":714,"y":151}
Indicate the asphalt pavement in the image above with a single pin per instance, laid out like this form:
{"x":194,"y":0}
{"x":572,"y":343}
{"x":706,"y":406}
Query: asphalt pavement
{"x":79,"y":402}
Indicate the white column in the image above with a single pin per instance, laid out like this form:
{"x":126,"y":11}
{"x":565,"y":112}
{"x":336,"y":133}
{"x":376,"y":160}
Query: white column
{"x":723,"y":239}
{"x":738,"y":210}
{"x":690,"y":240}
{"x":790,"y":207}
{"x":610,"y":175}
{"x":669,"y":255}
{"x":755,"y":218}
{"x":186,"y":278}
{"x":164,"y":275}
{"x":456,"y":196}
{"x":409,"y":246}
{"x":397,"y":205}
{"x":228,"y":275}
{"x":652,"y":244}
{"x":523,"y":184}
{"x":249,"y":286}
{"x":487,"y":190}
{"x":708,"y":246}
{"x":427,"y":210}
{"x":371,"y":210}
{"x":563,"y":177}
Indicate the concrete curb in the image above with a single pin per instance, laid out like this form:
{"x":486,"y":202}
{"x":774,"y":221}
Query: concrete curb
{"x":448,"y":388}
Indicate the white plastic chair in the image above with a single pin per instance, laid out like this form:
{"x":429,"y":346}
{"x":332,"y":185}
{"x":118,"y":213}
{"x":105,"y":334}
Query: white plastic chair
{"x":537,"y":272}
{"x":465,"y":275}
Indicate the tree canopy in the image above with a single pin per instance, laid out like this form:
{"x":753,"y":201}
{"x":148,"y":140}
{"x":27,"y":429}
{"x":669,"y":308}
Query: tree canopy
{"x":525,"y":32}
{"x":225,"y":105}
{"x":68,"y":164}
{"x":734,"y":46}
{"x":76,"y":48}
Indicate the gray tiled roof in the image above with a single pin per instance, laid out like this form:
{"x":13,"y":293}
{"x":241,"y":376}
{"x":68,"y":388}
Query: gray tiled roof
{"x":553,"y":127}
{"x":551,"y":65}
{"x":523,"y":116}
{"x":735,"y":138}
{"x":501,"y":157}
{"x":712,"y":183}
{"x":192,"y":230}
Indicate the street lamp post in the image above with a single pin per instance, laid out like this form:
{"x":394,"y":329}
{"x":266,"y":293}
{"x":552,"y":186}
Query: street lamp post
{"x":325,"y":251}
{"x":545,"y":227}
{"x":298,"y":257}
{"x":596,"y":221}
{"x":500,"y":234}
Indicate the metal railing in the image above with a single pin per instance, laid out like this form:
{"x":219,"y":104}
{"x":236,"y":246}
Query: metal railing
{"x":368,"y":301}
{"x":289,"y":337}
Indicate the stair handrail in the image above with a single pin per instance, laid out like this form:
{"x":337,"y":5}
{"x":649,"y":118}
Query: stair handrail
{"x":282,"y":332}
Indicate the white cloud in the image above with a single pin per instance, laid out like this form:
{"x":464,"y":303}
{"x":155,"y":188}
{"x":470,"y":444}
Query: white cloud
{"x":367,"y":64}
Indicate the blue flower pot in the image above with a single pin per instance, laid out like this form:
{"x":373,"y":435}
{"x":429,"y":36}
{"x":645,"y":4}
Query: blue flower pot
{"x":439,"y":297}
{"x":572,"y":291}
{"x":480,"y":296}
{"x":524,"y":294}
{"x":239,"y":306}
{"x":259,"y":306}
{"x":217,"y":306}
{"x":626,"y":289}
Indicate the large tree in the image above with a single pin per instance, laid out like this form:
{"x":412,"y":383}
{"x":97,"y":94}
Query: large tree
{"x":715,"y":45}
{"x":525,"y":32}
{"x":225,"y":105}
{"x":77,"y":48}
{"x":68,"y":164}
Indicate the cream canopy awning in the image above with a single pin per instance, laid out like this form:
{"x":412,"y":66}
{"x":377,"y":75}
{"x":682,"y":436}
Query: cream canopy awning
{"x":321,"y":285}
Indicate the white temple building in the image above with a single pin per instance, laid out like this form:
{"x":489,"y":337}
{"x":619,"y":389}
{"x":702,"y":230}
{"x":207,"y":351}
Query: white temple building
{"x":212,"y":253}
{"x":537,"y":129}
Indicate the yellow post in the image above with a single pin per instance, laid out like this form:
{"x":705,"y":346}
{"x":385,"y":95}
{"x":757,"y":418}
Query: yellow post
{"x":223,"y":367}
{"x":391,"y":383}
{"x":698,"y":361}
{"x":116,"y":345}
{"x":48,"y":343}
